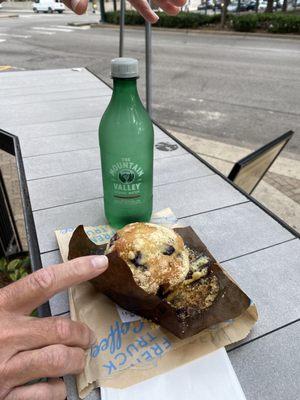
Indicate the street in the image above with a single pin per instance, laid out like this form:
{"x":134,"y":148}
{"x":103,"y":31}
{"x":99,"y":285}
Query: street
{"x":239,"y":89}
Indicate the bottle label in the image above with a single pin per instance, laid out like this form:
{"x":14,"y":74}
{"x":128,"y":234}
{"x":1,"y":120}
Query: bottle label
{"x":127,"y":179}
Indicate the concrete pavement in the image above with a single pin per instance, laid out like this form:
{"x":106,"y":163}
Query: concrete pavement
{"x":279,"y":190}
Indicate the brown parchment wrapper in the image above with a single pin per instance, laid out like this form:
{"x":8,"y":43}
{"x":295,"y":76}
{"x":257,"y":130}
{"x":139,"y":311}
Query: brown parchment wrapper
{"x":118,"y":284}
{"x":128,"y":353}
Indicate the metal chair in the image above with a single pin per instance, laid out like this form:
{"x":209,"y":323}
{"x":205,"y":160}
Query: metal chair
{"x":248,"y":172}
{"x":9,"y":239}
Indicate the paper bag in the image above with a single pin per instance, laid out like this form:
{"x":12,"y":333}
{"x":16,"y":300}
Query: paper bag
{"x":130,"y":349}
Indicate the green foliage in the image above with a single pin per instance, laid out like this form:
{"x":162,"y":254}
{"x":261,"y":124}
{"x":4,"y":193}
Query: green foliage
{"x":131,"y":18}
{"x":244,"y":23}
{"x":11,"y":271}
{"x":273,"y":23}
{"x":182,"y":20}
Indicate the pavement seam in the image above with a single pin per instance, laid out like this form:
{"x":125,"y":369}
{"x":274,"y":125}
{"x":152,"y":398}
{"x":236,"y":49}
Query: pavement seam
{"x":265,"y":334}
{"x":256,"y":251}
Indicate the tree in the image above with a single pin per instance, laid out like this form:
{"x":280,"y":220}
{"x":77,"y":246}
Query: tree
{"x":224,"y":13}
{"x":284,"y":5}
{"x":102,"y":11}
{"x":256,"y":6}
{"x":269,"y":8}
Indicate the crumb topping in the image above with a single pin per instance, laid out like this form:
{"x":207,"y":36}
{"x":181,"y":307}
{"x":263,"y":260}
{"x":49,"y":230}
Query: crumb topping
{"x":161,"y":264}
{"x":155,"y":254}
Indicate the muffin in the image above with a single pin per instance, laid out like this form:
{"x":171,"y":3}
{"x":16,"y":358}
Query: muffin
{"x":156,"y":255}
{"x":200,"y":287}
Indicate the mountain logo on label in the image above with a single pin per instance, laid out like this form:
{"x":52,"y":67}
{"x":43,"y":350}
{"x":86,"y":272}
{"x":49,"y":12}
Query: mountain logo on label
{"x":126,"y":176}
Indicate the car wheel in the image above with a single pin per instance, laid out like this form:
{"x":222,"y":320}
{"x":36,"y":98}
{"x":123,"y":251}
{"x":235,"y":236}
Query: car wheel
{"x":50,"y":10}
{"x":60,"y":11}
{"x":35,"y":10}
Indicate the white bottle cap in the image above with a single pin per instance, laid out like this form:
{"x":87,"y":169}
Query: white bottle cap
{"x":124,"y":68}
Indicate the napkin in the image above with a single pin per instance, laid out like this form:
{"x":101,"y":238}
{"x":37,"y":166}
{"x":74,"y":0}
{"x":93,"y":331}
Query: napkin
{"x":210,"y":377}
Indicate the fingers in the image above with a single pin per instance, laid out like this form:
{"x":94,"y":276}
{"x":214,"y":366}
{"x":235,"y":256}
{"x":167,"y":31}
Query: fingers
{"x":55,"y":389}
{"x":35,"y":289}
{"x":145,"y":10}
{"x":178,"y":3}
{"x":51,"y":362}
{"x":78,"y":6}
{"x":168,"y":6}
{"x":36,"y":333}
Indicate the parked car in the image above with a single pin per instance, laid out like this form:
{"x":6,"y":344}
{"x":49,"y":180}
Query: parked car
{"x":218,"y":5}
{"x":277,"y":5}
{"x":251,"y":5}
{"x":208,"y":6}
{"x":262,"y":5}
{"x":233,"y":7}
{"x":48,"y":6}
{"x":243,"y":6}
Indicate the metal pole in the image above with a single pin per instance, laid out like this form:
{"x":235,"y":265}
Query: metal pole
{"x":122,"y":23}
{"x":148,"y":51}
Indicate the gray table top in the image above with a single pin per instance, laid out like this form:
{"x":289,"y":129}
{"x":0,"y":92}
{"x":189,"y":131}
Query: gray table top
{"x":55,"y":114}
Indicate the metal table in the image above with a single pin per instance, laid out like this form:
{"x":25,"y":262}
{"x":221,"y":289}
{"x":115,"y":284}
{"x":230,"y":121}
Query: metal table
{"x":54,"y":116}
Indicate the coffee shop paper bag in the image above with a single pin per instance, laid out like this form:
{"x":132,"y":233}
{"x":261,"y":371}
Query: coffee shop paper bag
{"x":129,"y":349}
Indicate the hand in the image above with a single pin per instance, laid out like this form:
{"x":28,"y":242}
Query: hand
{"x":33,"y":348}
{"x":171,"y":7}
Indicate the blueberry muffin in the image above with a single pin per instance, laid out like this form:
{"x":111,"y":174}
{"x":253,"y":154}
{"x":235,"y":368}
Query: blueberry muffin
{"x":200,"y":287}
{"x":155,"y":254}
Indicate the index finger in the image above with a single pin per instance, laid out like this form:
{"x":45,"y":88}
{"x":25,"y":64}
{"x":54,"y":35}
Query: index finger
{"x":25,"y":295}
{"x":143,"y":7}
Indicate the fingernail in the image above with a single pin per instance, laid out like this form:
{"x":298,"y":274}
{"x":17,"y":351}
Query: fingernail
{"x":100,"y":262}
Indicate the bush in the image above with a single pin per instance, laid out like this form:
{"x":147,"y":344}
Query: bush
{"x":131,"y":18}
{"x":280,"y":23}
{"x":244,"y":23}
{"x":11,"y":271}
{"x":274,"y":23}
{"x":182,"y":20}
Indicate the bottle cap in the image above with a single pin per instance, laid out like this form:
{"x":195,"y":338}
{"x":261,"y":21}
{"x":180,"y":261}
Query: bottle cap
{"x":124,"y":68}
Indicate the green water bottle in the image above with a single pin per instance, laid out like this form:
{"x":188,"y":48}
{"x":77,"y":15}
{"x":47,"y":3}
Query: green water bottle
{"x":126,"y":148}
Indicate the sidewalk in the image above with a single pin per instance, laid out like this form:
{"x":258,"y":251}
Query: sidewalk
{"x":280,"y":188}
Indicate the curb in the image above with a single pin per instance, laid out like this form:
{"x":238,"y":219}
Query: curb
{"x":9,"y":16}
{"x":82,"y":23}
{"x":196,"y":31}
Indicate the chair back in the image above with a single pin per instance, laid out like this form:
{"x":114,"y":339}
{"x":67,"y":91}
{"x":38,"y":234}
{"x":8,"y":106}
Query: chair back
{"x":249,"y":171}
